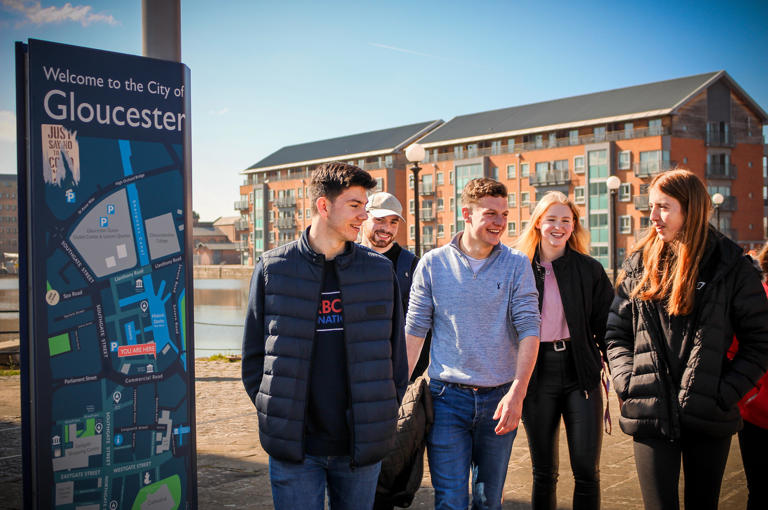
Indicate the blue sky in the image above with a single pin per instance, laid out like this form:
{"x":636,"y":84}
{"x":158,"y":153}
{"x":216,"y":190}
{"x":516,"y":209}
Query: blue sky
{"x":266,"y":74}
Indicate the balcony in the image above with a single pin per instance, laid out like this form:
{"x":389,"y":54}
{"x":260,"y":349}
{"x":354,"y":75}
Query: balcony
{"x":241,"y":245}
{"x":241,"y":205}
{"x":427,"y":191}
{"x":286,"y":223}
{"x":721,"y":171}
{"x":551,"y":178}
{"x":285,"y":202}
{"x":641,"y":202}
{"x":717,"y":136}
{"x":729,"y":204}
{"x":241,"y":224}
{"x":651,"y":168}
{"x":427,"y":215}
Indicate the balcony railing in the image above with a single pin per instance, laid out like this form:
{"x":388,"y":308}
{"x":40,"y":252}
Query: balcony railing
{"x":641,"y":202}
{"x":286,"y":223}
{"x":717,"y":137}
{"x":721,"y":171}
{"x":651,"y":168}
{"x":241,"y":224}
{"x":729,"y":204}
{"x":284,"y":202}
{"x":241,"y":245}
{"x":241,"y":205}
{"x":426,"y":191}
{"x":427,"y":215}
{"x":551,"y":178}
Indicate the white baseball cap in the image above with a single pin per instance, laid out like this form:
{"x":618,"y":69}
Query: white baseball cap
{"x":384,"y":204}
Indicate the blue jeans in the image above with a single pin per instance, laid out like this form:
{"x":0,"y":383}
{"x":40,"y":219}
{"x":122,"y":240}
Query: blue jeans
{"x":462,"y":439}
{"x":303,"y":486}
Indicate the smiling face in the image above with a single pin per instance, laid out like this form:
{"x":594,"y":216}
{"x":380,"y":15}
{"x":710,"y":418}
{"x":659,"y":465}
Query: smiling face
{"x":380,"y":233}
{"x":485,"y":220}
{"x":556,"y":226}
{"x":667,"y":214}
{"x":346,"y":213}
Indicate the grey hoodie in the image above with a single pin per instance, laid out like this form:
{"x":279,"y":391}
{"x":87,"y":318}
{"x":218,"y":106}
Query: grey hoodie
{"x":477,"y":319}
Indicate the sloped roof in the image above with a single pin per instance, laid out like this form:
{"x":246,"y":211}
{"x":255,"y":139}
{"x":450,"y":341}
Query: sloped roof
{"x":372,"y":143}
{"x":652,"y":99}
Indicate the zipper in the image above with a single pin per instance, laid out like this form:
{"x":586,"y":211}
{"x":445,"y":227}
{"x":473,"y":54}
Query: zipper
{"x":309,"y":375}
{"x":352,"y":464}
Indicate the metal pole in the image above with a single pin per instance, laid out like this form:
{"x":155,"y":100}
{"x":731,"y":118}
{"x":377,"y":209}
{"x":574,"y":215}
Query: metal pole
{"x":717,"y":214}
{"x":614,"y":235}
{"x":417,"y":238}
{"x":161,"y":29}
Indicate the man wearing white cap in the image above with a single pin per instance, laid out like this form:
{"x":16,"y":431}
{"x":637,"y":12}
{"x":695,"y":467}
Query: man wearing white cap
{"x":385,"y":214}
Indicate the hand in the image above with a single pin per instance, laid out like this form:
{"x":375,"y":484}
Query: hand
{"x":508,"y":412}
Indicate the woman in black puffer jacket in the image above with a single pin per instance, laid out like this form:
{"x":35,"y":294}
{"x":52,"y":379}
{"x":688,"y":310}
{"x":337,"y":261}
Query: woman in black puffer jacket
{"x":685,"y":292}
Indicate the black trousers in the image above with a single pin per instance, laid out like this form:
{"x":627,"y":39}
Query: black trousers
{"x":753,"y":441}
{"x":556,"y":393}
{"x":658,"y":468}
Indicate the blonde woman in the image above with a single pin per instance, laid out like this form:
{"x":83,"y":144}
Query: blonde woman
{"x":685,"y":291}
{"x":574,"y":297}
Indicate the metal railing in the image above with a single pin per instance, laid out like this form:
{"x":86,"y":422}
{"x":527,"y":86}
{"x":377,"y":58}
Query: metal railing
{"x":427,"y":215}
{"x":286,"y":223}
{"x":717,"y":137}
{"x":241,"y":245}
{"x":651,"y":168}
{"x":241,"y":224}
{"x":285,"y":202}
{"x":550,"y":178}
{"x":426,"y":191}
{"x":729,"y":204}
{"x":721,"y":171}
{"x":241,"y":205}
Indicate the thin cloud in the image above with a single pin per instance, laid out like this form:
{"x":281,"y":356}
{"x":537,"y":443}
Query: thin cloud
{"x":405,"y":50}
{"x":7,"y":126}
{"x":34,"y":12}
{"x":220,"y":112}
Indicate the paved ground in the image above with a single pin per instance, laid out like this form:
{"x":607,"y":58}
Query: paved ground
{"x":232,"y":467}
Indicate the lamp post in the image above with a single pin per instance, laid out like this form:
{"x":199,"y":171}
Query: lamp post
{"x":717,"y":200}
{"x":415,"y":153}
{"x":613,"y":183}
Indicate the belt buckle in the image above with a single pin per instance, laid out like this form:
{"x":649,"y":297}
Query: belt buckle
{"x":559,"y":345}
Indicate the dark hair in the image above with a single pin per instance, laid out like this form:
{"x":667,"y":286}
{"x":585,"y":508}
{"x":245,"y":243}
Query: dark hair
{"x":482,"y":187}
{"x":331,"y":179}
{"x":762,"y":259}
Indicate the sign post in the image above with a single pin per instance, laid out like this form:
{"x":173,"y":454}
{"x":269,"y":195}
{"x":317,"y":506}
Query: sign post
{"x":107,"y":339}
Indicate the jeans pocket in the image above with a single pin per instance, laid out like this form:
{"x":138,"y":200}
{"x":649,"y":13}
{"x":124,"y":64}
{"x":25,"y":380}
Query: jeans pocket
{"x":437,"y":388}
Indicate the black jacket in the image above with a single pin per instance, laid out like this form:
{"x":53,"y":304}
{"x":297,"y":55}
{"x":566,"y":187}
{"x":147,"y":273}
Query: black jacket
{"x":586,"y":294}
{"x":729,"y":300}
{"x":280,"y":335}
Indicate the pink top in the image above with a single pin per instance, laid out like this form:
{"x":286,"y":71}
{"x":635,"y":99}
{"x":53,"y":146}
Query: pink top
{"x":553,"y":324}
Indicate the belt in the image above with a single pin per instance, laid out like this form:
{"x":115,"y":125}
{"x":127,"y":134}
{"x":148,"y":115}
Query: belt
{"x":479,"y":389}
{"x":557,"y":345}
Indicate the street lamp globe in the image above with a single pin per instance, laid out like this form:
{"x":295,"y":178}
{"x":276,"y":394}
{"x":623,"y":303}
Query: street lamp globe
{"x":415,"y":153}
{"x":613,"y":183}
{"x":718,"y":199}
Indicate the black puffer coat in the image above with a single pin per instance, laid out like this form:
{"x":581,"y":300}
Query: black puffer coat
{"x":586,"y":294}
{"x":729,"y":300}
{"x":280,"y":335}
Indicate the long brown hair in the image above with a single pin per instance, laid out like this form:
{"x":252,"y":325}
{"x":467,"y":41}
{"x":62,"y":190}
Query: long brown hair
{"x":670,"y":270}
{"x":531,"y":236}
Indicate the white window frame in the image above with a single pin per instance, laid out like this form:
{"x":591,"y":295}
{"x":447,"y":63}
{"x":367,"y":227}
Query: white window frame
{"x":525,"y":198}
{"x":512,"y":199}
{"x":525,"y":170}
{"x":440,"y":231}
{"x":411,"y":231}
{"x":579,"y":169}
{"x":625,"y":192}
{"x":576,"y":198}
{"x":513,"y":173}
{"x":628,"y":163}
{"x":439,"y":179}
{"x":625,"y":224}
{"x":511,"y":228}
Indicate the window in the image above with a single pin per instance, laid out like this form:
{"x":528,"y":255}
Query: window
{"x":578,"y":194}
{"x":553,"y":139}
{"x":645,"y":222}
{"x":598,"y":164}
{"x":525,"y":198}
{"x":452,"y":203}
{"x":512,"y":200}
{"x":598,"y":195}
{"x":541,"y":171}
{"x":629,"y":130}
{"x":440,"y":204}
{"x":538,"y":141}
{"x":495,"y":173}
{"x":426,"y":184}
{"x":458,"y":152}
{"x":525,"y":170}
{"x":561,"y":164}
{"x":411,"y":206}
{"x":298,"y":214}
{"x":471,"y":150}
{"x":621,"y":253}
{"x":599,"y":133}
{"x":625,"y":158}
{"x":388,"y":161}
{"x":578,"y":164}
{"x":441,"y":231}
{"x":523,"y":225}
{"x":625,"y":224}
{"x":511,"y":144}
{"x":511,"y":172}
{"x":412,"y":231}
{"x":307,"y":213}
{"x":298,"y":192}
{"x":598,"y":227}
{"x":573,"y":137}
{"x":439,"y":178}
{"x":410,"y":181}
{"x":271,"y":195}
{"x":271,"y":216}
{"x":496,"y":147}
{"x":625,"y":192}
{"x":512,"y":228}
{"x":271,"y":238}
{"x":453,"y":230}
{"x":600,"y":253}
{"x":654,"y":127}
{"x":379,"y":184}
{"x":450,"y":177}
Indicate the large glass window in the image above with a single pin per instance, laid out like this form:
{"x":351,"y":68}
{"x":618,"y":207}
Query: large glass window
{"x":598,"y":195}
{"x":598,"y":164}
{"x":578,"y":164}
{"x":654,"y":127}
{"x":541,"y":170}
{"x":599,"y":133}
{"x":511,"y":172}
{"x":464,"y":174}
{"x":525,"y":170}
{"x":600,"y":253}
{"x":573,"y":137}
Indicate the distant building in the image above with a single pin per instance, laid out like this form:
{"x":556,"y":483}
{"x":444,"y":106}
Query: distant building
{"x":9,"y":218}
{"x":212,"y":246}
{"x":706,"y":123}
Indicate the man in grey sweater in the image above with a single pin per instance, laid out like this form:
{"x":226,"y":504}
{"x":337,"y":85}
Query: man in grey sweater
{"x":479,"y":298}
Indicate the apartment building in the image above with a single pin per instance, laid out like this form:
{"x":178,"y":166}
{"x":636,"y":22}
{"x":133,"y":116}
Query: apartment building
{"x":9,"y":214}
{"x":273,"y":202}
{"x":706,"y":123}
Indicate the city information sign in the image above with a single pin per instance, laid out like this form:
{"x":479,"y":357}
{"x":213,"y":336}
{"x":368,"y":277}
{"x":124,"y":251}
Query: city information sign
{"x":107,"y":340}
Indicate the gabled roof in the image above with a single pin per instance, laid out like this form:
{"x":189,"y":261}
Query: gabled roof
{"x":372,"y":143}
{"x":649,"y":100}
